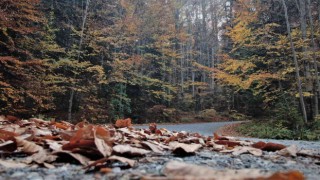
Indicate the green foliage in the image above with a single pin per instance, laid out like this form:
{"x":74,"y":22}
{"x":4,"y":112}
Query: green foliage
{"x":266,"y":129}
{"x":120,"y":103}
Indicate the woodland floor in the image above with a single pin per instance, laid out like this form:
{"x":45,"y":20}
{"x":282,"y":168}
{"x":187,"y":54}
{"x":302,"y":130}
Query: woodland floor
{"x":223,"y":157}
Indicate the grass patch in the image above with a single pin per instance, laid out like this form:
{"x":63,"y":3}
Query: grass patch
{"x":270,"y":129}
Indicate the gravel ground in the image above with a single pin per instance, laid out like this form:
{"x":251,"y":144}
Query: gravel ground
{"x":153,"y":165}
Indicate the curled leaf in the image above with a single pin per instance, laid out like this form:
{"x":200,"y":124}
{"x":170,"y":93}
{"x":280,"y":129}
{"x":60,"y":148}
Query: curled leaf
{"x":130,"y":162}
{"x":184,"y":149}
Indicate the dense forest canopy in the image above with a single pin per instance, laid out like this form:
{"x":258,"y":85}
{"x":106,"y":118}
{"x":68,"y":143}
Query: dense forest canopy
{"x":102,"y":60}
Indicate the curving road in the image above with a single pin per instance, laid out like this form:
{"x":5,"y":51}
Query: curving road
{"x":206,"y":129}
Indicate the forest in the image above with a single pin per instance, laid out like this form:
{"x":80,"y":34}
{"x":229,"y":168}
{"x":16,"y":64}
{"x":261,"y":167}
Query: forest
{"x":163,"y":61}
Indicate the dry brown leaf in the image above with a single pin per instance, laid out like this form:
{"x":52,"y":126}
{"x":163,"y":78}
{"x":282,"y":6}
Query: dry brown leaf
{"x":259,"y":145}
{"x":309,"y":153}
{"x":41,"y":157}
{"x":217,"y":137}
{"x":184,"y":149}
{"x":8,"y":146}
{"x":228,"y":143}
{"x":268,"y":146}
{"x":291,"y":175}
{"x":39,"y":121}
{"x":7,"y":135}
{"x":79,"y":144}
{"x":12,"y":164}
{"x":61,"y":126}
{"x":289,"y":151}
{"x":153,"y":127}
{"x":54,"y":145}
{"x":218,"y":147}
{"x":80,"y":158}
{"x":101,"y":145}
{"x":128,"y":150}
{"x":27,"y":146}
{"x":12,"y":118}
{"x":179,"y":170}
{"x":122,"y":123}
{"x":130,"y":162}
{"x":41,"y":132}
{"x":243,"y":150}
{"x":49,"y":166}
{"x":155,"y":148}
{"x":86,"y":133}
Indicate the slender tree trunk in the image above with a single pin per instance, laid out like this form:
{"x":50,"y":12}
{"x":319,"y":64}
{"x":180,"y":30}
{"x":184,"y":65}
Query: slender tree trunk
{"x":303,"y":108}
{"x":315,"y":63}
{"x":182,"y":68}
{"x":70,"y":105}
{"x":79,"y":53}
{"x":193,"y":78}
{"x":303,"y":22}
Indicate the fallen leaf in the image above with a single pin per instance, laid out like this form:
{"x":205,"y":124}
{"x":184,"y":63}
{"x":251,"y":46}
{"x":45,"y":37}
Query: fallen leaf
{"x":61,"y":126}
{"x":79,"y":144}
{"x":128,"y":150}
{"x":41,"y":132}
{"x":243,"y":150}
{"x":184,"y":149}
{"x":259,"y":145}
{"x":228,"y":143}
{"x":12,"y":164}
{"x":7,"y":135}
{"x":80,"y":158}
{"x":130,"y":162}
{"x":291,"y":175}
{"x":54,"y":145}
{"x":49,"y":166}
{"x":179,"y":170}
{"x":153,"y":147}
{"x":38,"y":121}
{"x":289,"y":151}
{"x":309,"y":153}
{"x":27,"y":146}
{"x":122,"y":123}
{"x":102,"y":146}
{"x":217,"y":137}
{"x":8,"y":146}
{"x":153,"y":127}
{"x":12,"y":118}
{"x":41,"y":157}
{"x":218,"y":147}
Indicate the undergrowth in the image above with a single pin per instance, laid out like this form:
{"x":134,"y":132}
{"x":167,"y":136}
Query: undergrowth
{"x":271,"y":129}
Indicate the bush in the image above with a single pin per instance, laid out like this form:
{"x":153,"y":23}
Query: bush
{"x":268,"y":129}
{"x":160,"y":113}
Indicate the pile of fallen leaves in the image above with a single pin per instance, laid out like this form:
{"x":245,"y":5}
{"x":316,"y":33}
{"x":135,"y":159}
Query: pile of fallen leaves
{"x":43,"y":143}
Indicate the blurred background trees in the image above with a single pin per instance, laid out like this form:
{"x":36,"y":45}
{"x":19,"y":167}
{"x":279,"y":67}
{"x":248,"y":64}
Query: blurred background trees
{"x":158,"y":60}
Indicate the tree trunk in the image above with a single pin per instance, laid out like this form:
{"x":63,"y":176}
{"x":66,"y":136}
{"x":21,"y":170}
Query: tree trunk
{"x":70,"y":105}
{"x":315,"y":63}
{"x":303,"y":108}
{"x":79,"y":53}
